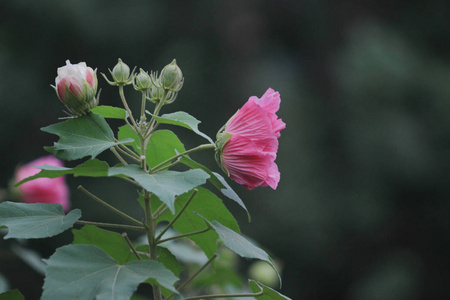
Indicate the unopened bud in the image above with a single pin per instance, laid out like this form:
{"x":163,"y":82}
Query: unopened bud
{"x":171,"y":77}
{"x":156,"y":93}
{"x":142,"y":81}
{"x":76,"y":86}
{"x":120,"y":74}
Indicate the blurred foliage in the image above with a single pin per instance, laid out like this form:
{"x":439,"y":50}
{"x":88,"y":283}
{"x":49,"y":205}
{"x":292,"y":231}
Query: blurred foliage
{"x":362,"y":209}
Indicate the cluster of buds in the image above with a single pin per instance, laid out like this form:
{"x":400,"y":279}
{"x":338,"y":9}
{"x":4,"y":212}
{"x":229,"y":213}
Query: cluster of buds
{"x":158,"y":88}
{"x":167,"y":85}
{"x":76,"y":87}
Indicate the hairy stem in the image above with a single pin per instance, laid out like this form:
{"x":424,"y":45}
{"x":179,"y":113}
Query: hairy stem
{"x":160,"y":166}
{"x":177,"y":216}
{"x":112,"y":208}
{"x":130,"y":244}
{"x":125,"y":104}
{"x":110,"y":225}
{"x":120,"y":158}
{"x":152,"y":245}
{"x":193,"y":276}
{"x":184,"y":235}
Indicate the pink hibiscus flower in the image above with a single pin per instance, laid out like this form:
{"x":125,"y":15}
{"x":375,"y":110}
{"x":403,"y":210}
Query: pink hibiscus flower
{"x":42,"y":190}
{"x":248,"y":144}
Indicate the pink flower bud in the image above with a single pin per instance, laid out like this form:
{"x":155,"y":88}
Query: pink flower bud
{"x":76,"y":86}
{"x":42,"y":190}
{"x":248,"y":145}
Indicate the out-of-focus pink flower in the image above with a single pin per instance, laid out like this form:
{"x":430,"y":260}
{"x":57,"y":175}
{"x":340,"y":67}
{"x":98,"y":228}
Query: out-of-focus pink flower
{"x":247,"y":146}
{"x":76,"y":86}
{"x":42,"y":190}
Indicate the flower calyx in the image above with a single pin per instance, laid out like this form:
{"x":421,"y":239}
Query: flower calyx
{"x":121,"y":74}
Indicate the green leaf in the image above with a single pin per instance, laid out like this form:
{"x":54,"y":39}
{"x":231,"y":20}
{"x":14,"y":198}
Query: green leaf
{"x":110,"y":112}
{"x":218,"y":181}
{"x":211,"y":208}
{"x":165,"y":185}
{"x":165,"y":257}
{"x":268,"y":293}
{"x":126,"y":133}
{"x":88,"y":135}
{"x":35,"y":220}
{"x":163,"y":145}
{"x":182,"y":119}
{"x":111,"y":242}
{"x":90,"y":168}
{"x":87,"y":272}
{"x":12,"y":295}
{"x":238,"y":244}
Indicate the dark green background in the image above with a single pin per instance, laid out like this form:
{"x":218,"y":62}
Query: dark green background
{"x":362,"y":209}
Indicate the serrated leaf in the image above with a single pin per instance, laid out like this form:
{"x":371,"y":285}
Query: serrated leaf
{"x":12,"y":295}
{"x":35,"y":220}
{"x":218,"y":181}
{"x":238,"y":244}
{"x":86,"y":272}
{"x":111,"y":242}
{"x":163,"y":145}
{"x":211,"y":208}
{"x":110,"y":112}
{"x":90,"y":168}
{"x":88,"y":135}
{"x":182,"y":119}
{"x":268,"y":293}
{"x":165,"y":185}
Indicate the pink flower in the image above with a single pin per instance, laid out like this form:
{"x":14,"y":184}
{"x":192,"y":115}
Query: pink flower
{"x":42,"y":190}
{"x":247,"y":147}
{"x":76,"y":86}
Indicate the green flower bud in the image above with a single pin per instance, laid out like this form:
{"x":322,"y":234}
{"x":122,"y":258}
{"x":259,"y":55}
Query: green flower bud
{"x":156,"y":93}
{"x":142,"y":81}
{"x":120,"y":74}
{"x":171,"y":77}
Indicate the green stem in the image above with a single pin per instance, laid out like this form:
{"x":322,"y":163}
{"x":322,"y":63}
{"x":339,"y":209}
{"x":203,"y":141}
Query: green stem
{"x":130,"y":244}
{"x":125,"y":104}
{"x":184,"y":235}
{"x":192,"y":276}
{"x":120,"y":158}
{"x":126,"y":149}
{"x":152,"y":122}
{"x":159,"y":211}
{"x":128,"y":153}
{"x":177,"y":216}
{"x":144,"y":101}
{"x":159,"y":167}
{"x":110,"y":225}
{"x":152,"y":245}
{"x":112,"y":208}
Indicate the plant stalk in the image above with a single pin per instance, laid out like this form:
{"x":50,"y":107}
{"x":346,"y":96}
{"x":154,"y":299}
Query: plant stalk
{"x":110,"y":225}
{"x":112,"y":208}
{"x":160,"y":166}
